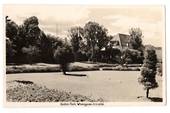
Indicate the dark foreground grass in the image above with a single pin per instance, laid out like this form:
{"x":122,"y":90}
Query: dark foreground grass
{"x":27,"y":91}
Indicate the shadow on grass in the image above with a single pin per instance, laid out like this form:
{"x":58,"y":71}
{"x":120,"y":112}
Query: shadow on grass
{"x":151,"y":99}
{"x":24,"y":82}
{"x":156,"y":99}
{"x":77,"y":75}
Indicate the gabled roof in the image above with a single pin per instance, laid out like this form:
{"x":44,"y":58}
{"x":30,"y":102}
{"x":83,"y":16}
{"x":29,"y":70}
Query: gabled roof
{"x":122,"y":38}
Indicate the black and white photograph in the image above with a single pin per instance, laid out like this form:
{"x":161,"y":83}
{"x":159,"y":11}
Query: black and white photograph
{"x":84,"y":55}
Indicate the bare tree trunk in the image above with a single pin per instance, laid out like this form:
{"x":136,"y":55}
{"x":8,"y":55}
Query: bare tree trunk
{"x":147,"y":93}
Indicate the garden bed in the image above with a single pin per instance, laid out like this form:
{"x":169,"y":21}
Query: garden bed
{"x":120,"y":68}
{"x":26,"y":68}
{"x":77,"y":66}
{"x":27,"y":91}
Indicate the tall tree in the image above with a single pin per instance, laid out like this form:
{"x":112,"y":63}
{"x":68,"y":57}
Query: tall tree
{"x":96,"y":36}
{"x":28,"y":34}
{"x":32,"y":30}
{"x":76,"y":34}
{"x":11,"y":29}
{"x":136,"y":38}
{"x":148,"y":71}
{"x":11,"y":37}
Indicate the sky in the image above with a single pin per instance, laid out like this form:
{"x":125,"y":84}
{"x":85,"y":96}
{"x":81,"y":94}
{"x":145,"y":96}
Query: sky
{"x":58,"y":19}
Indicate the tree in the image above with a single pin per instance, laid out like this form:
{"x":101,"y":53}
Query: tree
{"x":49,"y":43}
{"x":76,"y":34}
{"x":32,"y":52}
{"x":110,"y":55}
{"x":29,"y":33}
{"x":28,"y":36}
{"x":11,"y":37}
{"x":31,"y":30}
{"x":148,"y":71}
{"x":10,"y":52}
{"x":96,"y":36}
{"x":64,"y":55}
{"x":132,"y":56}
{"x":11,"y":29}
{"x":126,"y":57}
{"x":136,"y":39}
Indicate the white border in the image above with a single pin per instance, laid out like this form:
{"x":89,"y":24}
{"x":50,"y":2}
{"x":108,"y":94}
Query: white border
{"x":126,"y":109}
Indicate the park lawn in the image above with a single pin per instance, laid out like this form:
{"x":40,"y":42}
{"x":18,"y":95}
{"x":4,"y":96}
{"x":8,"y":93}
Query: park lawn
{"x":111,"y":86}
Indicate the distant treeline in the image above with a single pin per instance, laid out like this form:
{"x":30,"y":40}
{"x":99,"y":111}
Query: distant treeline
{"x":27,"y":43}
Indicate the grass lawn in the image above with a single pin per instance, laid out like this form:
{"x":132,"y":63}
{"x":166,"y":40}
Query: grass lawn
{"x":111,"y":86}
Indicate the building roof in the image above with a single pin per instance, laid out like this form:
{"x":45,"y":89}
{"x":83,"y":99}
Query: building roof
{"x":122,"y":38}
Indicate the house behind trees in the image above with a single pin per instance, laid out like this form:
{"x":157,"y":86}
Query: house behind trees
{"x":120,"y":49}
{"x":112,"y":52}
{"x":120,"y":41}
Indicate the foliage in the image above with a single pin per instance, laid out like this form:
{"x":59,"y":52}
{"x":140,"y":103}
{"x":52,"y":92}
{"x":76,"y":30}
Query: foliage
{"x":136,"y":39}
{"x":64,"y":56}
{"x":148,"y":71}
{"x":159,"y":69}
{"x":86,"y":43}
{"x":49,"y":43}
{"x":131,"y":56}
{"x":31,"y":31}
{"x":32,"y":53}
{"x":10,"y":52}
{"x":76,"y":34}
{"x":11,"y":29}
{"x":28,"y":37}
{"x":96,"y":37}
{"x":110,"y":55}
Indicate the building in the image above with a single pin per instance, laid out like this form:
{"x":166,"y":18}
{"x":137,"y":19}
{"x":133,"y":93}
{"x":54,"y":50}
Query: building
{"x":120,"y":41}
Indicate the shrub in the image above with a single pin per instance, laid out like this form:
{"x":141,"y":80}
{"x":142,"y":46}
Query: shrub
{"x":148,"y":71}
{"x":64,"y":56}
{"x":131,"y":56}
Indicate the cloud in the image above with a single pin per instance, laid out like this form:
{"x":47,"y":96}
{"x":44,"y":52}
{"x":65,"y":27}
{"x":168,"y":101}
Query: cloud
{"x":46,"y":12}
{"x":152,"y":31}
{"x":57,"y":19}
